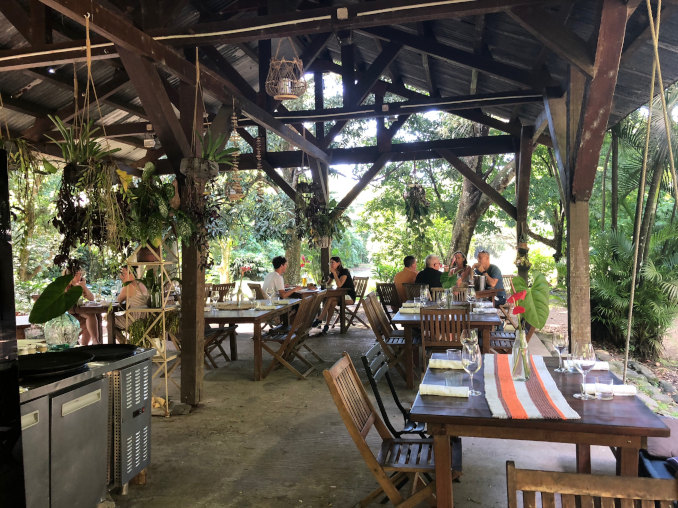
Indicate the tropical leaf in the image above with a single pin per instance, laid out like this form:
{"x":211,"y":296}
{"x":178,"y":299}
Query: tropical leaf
{"x":536,"y":301}
{"x":55,"y":300}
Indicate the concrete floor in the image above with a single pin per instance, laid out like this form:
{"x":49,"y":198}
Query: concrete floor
{"x":281,"y":443}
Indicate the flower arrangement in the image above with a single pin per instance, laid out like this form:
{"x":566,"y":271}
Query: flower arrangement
{"x":243,"y":270}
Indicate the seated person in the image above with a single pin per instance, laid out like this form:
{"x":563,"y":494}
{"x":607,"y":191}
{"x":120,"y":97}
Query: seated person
{"x":405,"y":276}
{"x":133,"y":294}
{"x":88,"y":322}
{"x":275,"y":279}
{"x":431,"y":274}
{"x":461,"y":269}
{"x":342,"y":277}
{"x":493,"y":279}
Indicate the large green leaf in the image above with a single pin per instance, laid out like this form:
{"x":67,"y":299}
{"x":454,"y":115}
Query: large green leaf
{"x":536,"y":301}
{"x":447,"y":280}
{"x":55,"y":300}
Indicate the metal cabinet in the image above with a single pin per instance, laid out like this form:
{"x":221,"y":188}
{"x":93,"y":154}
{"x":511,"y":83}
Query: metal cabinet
{"x":78,"y":446}
{"x":35,"y":439}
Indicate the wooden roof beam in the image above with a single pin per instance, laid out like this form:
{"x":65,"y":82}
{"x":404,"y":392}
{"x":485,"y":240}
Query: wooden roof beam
{"x":553,"y":34}
{"x":119,"y":30}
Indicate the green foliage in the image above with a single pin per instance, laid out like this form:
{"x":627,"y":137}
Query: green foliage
{"x":79,"y":144}
{"x":259,"y":263}
{"x":383,"y":272}
{"x":544,"y":264}
{"x":655,"y":300}
{"x":213,"y":148}
{"x":55,"y":300}
{"x":536,"y":300}
{"x":316,"y":221}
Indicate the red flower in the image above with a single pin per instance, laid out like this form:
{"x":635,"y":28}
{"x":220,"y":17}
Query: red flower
{"x":244,"y":269}
{"x":518,"y":309}
{"x":517,"y":296}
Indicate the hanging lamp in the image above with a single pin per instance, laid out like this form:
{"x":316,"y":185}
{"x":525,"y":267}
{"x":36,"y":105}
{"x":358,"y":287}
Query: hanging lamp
{"x":285,"y":80}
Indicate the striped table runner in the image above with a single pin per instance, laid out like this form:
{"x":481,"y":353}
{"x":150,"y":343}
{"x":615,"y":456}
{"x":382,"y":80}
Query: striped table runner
{"x":538,"y":397}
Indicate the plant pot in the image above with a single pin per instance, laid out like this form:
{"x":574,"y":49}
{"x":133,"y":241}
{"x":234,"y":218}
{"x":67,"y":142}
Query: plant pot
{"x":73,"y":173}
{"x":146,"y":255}
{"x":200,"y":169}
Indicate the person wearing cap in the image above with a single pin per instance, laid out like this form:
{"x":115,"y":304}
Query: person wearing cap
{"x":492,"y":275}
{"x":461,"y":269}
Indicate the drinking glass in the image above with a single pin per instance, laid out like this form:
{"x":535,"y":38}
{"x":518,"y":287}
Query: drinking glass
{"x":471,"y":294}
{"x":471,"y":360}
{"x":214,"y":298}
{"x":270,"y":291}
{"x":584,"y":359}
{"x":423,"y":295}
{"x":469,"y":337}
{"x":560,"y":343}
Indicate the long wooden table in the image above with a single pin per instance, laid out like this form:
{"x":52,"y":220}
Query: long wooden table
{"x":257,"y":318}
{"x":483,"y":322}
{"x":624,"y":422}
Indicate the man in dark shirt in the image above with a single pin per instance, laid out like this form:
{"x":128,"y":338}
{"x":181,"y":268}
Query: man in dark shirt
{"x":431,"y":274}
{"x":493,"y":279}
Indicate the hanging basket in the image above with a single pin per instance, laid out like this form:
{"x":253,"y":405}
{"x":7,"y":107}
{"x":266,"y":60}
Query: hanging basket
{"x":285,"y":80}
{"x":200,"y":169}
{"x":234,"y":190}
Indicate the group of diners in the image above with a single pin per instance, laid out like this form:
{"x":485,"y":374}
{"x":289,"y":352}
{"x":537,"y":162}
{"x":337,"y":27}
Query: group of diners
{"x":338,"y":274}
{"x":432,"y":272}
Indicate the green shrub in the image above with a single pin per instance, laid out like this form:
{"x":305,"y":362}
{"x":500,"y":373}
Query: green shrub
{"x":383,"y":272}
{"x":545,"y":264}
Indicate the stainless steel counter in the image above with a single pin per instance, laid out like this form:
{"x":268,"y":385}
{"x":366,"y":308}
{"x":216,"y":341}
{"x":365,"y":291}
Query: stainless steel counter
{"x":37,"y":389}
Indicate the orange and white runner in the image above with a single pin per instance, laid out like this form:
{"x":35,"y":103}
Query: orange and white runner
{"x":538,"y":397}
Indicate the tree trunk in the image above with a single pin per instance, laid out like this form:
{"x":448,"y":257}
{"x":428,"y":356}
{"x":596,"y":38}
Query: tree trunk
{"x":614,"y":198}
{"x":649,"y":215}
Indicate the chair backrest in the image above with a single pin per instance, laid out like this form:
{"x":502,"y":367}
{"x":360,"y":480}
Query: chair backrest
{"x":437,"y":294}
{"x":459,"y":294}
{"x":442,"y":328}
{"x":208,"y":289}
{"x":223,"y":289}
{"x":360,"y":285}
{"x":508,"y":284}
{"x":372,"y":306}
{"x":488,"y":294}
{"x":310,"y":312}
{"x":413,"y":290}
{"x":573,"y":488}
{"x":388,"y":294}
{"x":257,"y":291}
{"x":380,"y":316}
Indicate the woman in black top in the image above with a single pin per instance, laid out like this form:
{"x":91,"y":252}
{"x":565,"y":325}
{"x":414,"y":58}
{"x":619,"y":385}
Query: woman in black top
{"x":343,"y":279}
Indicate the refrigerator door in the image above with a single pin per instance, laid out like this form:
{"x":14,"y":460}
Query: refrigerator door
{"x":35,"y":437}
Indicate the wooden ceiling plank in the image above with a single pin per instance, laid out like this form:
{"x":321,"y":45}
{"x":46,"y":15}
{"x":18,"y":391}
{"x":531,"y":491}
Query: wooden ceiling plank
{"x":478,"y":181}
{"x":118,"y":29}
{"x":596,"y":112}
{"x":17,"y":16}
{"x":459,"y":57}
{"x":554,"y":35}
{"x":158,"y":107}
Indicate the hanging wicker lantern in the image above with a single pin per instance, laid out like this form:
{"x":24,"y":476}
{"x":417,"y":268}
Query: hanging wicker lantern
{"x":285,"y":80}
{"x":234,"y":190}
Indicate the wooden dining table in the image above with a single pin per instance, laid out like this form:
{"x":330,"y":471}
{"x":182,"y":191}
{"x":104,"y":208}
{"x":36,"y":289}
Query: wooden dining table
{"x":258,"y":318}
{"x":100,"y":309}
{"x":624,"y":423}
{"x":485,"y":323}
{"x":339,"y":293}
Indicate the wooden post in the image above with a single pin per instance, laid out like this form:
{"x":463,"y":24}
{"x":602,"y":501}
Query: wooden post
{"x":579,"y":304}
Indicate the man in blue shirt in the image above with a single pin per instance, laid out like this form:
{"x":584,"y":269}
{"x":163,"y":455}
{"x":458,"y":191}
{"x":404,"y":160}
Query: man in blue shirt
{"x":492,"y":275}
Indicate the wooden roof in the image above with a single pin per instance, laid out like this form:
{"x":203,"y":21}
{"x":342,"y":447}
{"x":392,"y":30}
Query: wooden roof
{"x":486,"y":60}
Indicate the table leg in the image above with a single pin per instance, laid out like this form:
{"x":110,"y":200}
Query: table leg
{"x":257,"y":351}
{"x":110,"y":324}
{"x":342,"y":314}
{"x":485,"y":338}
{"x":443,"y":454}
{"x":100,"y":329}
{"x":628,"y":461}
{"x":409,"y":358}
{"x":584,"y":458}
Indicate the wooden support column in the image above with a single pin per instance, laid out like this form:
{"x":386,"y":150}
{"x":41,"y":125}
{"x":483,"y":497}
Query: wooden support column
{"x":192,"y":273}
{"x":578,"y":271}
{"x":347,"y":67}
{"x":319,"y":104}
{"x":524,"y":170}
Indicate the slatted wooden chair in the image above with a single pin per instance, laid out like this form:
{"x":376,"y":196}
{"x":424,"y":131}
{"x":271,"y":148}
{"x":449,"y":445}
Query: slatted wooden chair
{"x":383,"y":319}
{"x":437,"y":294}
{"x":208,"y":289}
{"x":390,"y":301}
{"x":224,"y":290}
{"x":507,"y":308}
{"x":398,"y":459}
{"x":441,"y":329}
{"x":352,"y":306}
{"x":294,"y":343}
{"x":216,"y":335}
{"x":576,"y":489}
{"x":257,"y":291}
{"x":501,"y":342}
{"x":413,"y":290}
{"x":487,"y":294}
{"x":459,"y":294}
{"x":393,"y":347}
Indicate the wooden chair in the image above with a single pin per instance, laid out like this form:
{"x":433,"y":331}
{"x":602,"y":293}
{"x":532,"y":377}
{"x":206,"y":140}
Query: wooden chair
{"x":383,"y":320}
{"x":224,"y":289}
{"x":507,"y":308}
{"x":508,"y":284}
{"x":441,"y":328}
{"x":388,"y":296}
{"x":398,"y":458}
{"x":208,"y":289}
{"x":413,"y":290}
{"x":576,"y":489}
{"x":487,"y":294}
{"x":501,"y":342}
{"x":393,"y":347}
{"x":460,"y":294}
{"x":437,"y":294}
{"x":291,"y":345}
{"x":360,"y":285}
{"x":257,"y":291}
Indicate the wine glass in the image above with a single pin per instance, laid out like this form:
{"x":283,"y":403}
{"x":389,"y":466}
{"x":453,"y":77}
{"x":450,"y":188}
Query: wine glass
{"x":471,"y":294}
{"x":584,"y":359}
{"x":471,"y":360}
{"x":214,"y":298}
{"x":469,"y":337}
{"x":560,"y":343}
{"x":270,"y":291}
{"x":423,"y":295}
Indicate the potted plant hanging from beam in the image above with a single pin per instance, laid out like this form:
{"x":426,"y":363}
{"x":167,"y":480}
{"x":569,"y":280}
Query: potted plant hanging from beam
{"x":213,"y":152}
{"x":90,"y":204}
{"x":318,"y":222}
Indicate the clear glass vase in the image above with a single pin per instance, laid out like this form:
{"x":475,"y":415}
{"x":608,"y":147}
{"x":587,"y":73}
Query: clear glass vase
{"x":520,"y":360}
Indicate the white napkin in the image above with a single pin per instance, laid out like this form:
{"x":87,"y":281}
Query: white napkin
{"x":284,"y":301}
{"x":267,"y":307}
{"x":444,"y":364}
{"x":207,"y":309}
{"x":483,"y":304}
{"x":409,"y":304}
{"x":619,"y":390}
{"x":445,"y":391}
{"x":596,"y":366}
{"x":409,"y":310}
{"x":485,"y":310}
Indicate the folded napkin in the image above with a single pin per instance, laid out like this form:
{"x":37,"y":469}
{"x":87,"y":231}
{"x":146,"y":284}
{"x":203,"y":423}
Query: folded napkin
{"x":284,"y":301}
{"x":267,"y":307}
{"x":445,"y":364}
{"x":619,"y":390}
{"x":445,"y":391}
{"x":596,"y":366}
{"x":483,"y":304}
{"x":409,"y":310}
{"x":410,"y":304}
{"x":485,"y":310}
{"x":207,"y":309}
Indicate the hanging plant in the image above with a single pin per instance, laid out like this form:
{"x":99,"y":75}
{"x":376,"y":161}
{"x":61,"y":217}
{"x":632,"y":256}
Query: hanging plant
{"x":316,"y":221}
{"x":416,"y":204}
